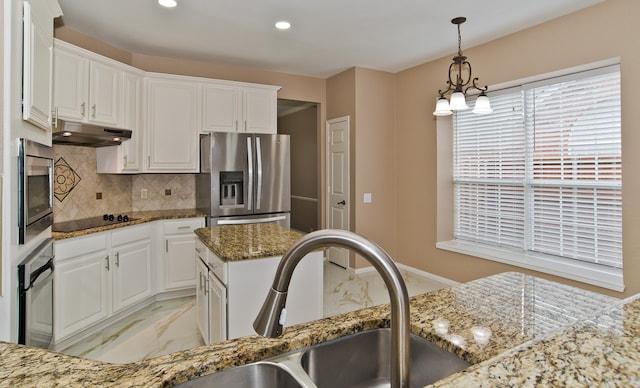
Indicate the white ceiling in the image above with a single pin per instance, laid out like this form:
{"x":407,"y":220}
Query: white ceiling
{"x":326,"y":37}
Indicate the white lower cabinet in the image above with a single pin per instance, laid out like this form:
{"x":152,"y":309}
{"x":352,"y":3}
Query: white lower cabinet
{"x":98,"y":275}
{"x":131,"y":256}
{"x":243,"y":285}
{"x":211,"y":302}
{"x":202,"y":300}
{"x":179,"y":245}
{"x":81,"y":283}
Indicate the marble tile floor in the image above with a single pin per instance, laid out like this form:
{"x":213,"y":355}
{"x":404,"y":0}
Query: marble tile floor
{"x":169,"y":326}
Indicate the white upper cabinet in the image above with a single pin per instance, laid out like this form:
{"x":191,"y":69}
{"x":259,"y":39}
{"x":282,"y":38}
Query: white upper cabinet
{"x":236,"y":107}
{"x":87,"y":87}
{"x":126,"y":157}
{"x":37,"y":60}
{"x":221,"y":108}
{"x":171,"y":131}
{"x":260,"y":110}
{"x":104,"y":94}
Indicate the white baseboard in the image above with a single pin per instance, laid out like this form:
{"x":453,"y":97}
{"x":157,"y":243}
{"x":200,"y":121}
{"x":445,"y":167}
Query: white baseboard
{"x":407,"y":268}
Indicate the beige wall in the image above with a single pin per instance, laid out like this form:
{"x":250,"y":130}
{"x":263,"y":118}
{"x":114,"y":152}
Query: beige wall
{"x":375,"y":158}
{"x":302,"y":127}
{"x":600,"y":32}
{"x":368,"y":98}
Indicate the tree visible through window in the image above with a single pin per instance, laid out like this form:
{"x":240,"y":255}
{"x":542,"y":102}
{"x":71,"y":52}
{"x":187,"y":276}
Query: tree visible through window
{"x":543,"y":173}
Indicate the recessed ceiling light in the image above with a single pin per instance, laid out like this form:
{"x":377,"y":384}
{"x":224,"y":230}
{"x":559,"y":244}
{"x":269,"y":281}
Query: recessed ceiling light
{"x":283,"y":25}
{"x":167,"y":3}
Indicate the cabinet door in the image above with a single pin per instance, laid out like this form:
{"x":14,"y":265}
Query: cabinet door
{"x":171,"y":132}
{"x":104,"y":94}
{"x":70,"y":87}
{"x":126,"y":157}
{"x":180,"y":271}
{"x":202,"y":301}
{"x":221,"y":108}
{"x":217,"y":310}
{"x":131,"y":273}
{"x":81,"y":293}
{"x":131,"y":117}
{"x":37,"y":67}
{"x":260,"y":110}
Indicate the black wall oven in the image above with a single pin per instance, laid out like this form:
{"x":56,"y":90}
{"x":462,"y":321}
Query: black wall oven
{"x":35,"y":297}
{"x":35,"y":189}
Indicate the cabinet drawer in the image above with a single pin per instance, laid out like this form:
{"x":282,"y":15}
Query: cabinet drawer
{"x":187,"y":225}
{"x":130,"y":234}
{"x":78,"y":246}
{"x":218,"y":267}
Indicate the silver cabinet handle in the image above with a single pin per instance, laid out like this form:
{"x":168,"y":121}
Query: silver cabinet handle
{"x":206,"y":286}
{"x":93,"y":111}
{"x":117,"y":259}
{"x":199,"y":250}
{"x":236,"y":125}
{"x":184,"y":227}
{"x":82,"y":109}
{"x":200,"y":273}
{"x":107,"y":264}
{"x":124,"y":161}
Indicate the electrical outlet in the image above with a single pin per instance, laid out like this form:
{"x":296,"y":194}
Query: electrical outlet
{"x":143,"y":193}
{"x":167,"y":192}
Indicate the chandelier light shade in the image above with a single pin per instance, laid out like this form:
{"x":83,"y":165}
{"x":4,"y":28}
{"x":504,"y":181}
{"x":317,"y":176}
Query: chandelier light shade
{"x":459,"y":83}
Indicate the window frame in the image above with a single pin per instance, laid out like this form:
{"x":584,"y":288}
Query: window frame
{"x":599,"y":275}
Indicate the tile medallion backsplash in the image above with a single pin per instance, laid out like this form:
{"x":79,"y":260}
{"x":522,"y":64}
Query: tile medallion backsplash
{"x":66,"y":179}
{"x":82,"y":193}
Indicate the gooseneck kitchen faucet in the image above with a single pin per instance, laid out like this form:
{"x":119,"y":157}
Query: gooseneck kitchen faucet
{"x":270,"y":319}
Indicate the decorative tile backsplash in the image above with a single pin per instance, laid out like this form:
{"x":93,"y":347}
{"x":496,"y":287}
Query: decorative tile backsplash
{"x":66,"y":179}
{"x":96,"y":194}
{"x":164,"y":191}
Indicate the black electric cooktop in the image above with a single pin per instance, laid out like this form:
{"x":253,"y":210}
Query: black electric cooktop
{"x":89,"y":223}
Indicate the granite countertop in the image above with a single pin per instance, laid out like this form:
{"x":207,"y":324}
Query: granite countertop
{"x":139,"y":217}
{"x":515,"y":328}
{"x":248,"y":241}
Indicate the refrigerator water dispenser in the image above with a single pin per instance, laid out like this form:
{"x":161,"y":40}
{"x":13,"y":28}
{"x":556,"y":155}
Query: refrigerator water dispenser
{"x":231,"y":188}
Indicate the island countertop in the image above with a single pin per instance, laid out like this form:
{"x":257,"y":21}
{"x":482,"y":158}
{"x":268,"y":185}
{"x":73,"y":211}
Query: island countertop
{"x":248,"y":241}
{"x":508,"y":325}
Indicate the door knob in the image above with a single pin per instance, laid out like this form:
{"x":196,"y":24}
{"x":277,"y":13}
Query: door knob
{"x":343,"y":202}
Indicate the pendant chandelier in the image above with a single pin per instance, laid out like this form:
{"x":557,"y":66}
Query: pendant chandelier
{"x":459,"y":83}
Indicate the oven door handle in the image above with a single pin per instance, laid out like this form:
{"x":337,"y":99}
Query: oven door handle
{"x":36,"y":274}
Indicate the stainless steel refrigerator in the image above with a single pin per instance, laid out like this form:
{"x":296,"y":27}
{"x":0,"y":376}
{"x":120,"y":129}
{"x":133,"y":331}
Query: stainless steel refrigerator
{"x":244,"y":178}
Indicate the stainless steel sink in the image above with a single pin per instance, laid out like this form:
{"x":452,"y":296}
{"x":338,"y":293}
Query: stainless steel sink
{"x":356,"y":360}
{"x":258,"y":375}
{"x":362,"y":360}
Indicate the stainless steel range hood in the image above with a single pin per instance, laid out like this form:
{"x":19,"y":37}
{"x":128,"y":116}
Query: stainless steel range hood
{"x":88,"y":135}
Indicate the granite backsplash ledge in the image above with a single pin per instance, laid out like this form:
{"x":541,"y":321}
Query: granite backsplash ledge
{"x":80,"y":192}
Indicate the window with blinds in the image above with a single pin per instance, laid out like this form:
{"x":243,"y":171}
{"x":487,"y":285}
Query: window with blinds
{"x":543,"y":173}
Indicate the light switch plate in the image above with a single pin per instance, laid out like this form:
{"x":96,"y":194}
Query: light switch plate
{"x":367,"y":198}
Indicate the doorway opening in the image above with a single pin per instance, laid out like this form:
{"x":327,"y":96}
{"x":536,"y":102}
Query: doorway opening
{"x":300,"y":120}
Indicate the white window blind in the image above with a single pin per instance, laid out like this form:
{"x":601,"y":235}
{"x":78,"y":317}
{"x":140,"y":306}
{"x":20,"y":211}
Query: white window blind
{"x":543,"y":173}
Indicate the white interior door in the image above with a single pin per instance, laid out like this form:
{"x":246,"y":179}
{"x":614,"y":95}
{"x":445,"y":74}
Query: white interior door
{"x":338,"y":184}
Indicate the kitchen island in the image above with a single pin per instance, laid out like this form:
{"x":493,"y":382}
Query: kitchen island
{"x":516,"y":329}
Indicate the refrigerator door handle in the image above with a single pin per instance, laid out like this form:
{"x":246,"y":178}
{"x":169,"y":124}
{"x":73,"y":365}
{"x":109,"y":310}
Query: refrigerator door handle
{"x":250,"y":169}
{"x":259,"y":173}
